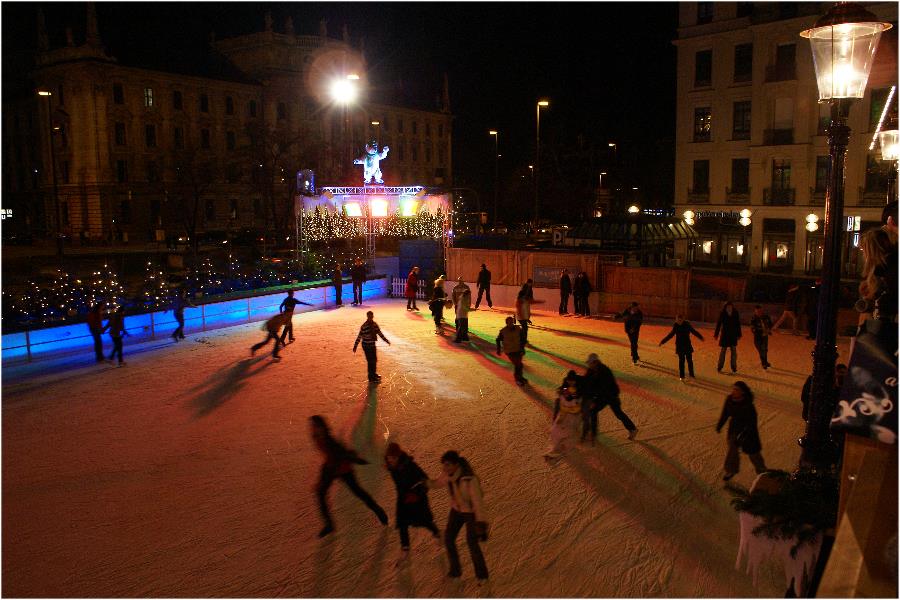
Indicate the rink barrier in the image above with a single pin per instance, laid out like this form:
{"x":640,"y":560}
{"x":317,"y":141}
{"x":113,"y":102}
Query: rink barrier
{"x":27,"y":346}
{"x":398,"y":288}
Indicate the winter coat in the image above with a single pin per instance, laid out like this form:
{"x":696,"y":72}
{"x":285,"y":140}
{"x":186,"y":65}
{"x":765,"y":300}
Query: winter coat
{"x":463,"y":306}
{"x":412,"y":285}
{"x":412,"y":493}
{"x":458,"y":290}
{"x":484,"y":279}
{"x":275,"y":323}
{"x":339,"y":460}
{"x":116,"y":325}
{"x":682,"y":335}
{"x":598,"y":386}
{"x":510,"y":337}
{"x":465,"y":494}
{"x":436,"y":304}
{"x":728,"y":329}
{"x":761,"y":326}
{"x":582,"y":286}
{"x":633,"y":321}
{"x":565,"y":284}
{"x":523,"y":308}
{"x":358,"y":273}
{"x":742,"y":430}
{"x":337,"y":278}
{"x":95,"y":322}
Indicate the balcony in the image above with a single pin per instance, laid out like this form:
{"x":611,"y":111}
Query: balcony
{"x":778,"y":137}
{"x":872,"y":197}
{"x":779,"y":196}
{"x":737,"y":195}
{"x":780,"y":73}
{"x":698,"y":195}
{"x":816,"y":197}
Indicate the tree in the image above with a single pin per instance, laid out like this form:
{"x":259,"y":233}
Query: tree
{"x":193,"y":179}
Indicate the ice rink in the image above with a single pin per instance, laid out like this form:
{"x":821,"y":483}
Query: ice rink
{"x":191,"y":471}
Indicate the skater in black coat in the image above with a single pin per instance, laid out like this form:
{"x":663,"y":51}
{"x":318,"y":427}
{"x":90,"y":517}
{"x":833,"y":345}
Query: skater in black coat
{"x":634,"y":318}
{"x":682,"y":330}
{"x":565,"y":290}
{"x":743,"y":433}
{"x":411,"y":482}
{"x":484,"y":286}
{"x":728,"y":332}
{"x":599,"y":390}
{"x":436,"y":304}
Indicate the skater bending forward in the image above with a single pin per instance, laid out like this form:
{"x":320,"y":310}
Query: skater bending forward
{"x":411,"y":482}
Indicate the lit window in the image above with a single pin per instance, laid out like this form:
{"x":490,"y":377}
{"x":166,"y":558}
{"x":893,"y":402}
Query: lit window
{"x":148,"y":97}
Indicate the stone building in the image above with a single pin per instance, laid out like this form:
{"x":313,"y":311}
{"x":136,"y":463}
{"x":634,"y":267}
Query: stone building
{"x":751,"y":136}
{"x":211,"y":144}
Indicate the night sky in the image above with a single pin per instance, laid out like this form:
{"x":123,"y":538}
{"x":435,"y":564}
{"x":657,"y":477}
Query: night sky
{"x":608,"y":70}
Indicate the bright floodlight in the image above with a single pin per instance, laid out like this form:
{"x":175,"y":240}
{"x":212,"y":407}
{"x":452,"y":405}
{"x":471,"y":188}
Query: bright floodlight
{"x":843,"y":46}
{"x":688,"y":214}
{"x":812,"y":226}
{"x":376,"y":123}
{"x":633,"y":209}
{"x":343,"y":91}
{"x":543,"y":103}
{"x":492,"y":132}
{"x":44,"y":93}
{"x":745,"y":214}
{"x":890,"y":144}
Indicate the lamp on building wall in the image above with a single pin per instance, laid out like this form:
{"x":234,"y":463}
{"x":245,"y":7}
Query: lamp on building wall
{"x":812,"y":222}
{"x":689,"y":217}
{"x":843,"y":44}
{"x":633,"y":209}
{"x":745,"y":217}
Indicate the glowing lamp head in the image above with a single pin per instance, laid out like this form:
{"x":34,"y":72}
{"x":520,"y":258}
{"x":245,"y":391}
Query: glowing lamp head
{"x":843,"y":44}
{"x":492,"y":132}
{"x":44,"y":93}
{"x":745,"y":214}
{"x":745,"y":221}
{"x":812,"y":226}
{"x":890,"y":144}
{"x":543,"y":103}
{"x":688,"y":214}
{"x":812,"y":218}
{"x":343,"y":91}
{"x":633,"y":209}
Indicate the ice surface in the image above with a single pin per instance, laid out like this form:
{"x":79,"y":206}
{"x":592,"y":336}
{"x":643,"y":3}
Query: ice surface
{"x":190,"y":472}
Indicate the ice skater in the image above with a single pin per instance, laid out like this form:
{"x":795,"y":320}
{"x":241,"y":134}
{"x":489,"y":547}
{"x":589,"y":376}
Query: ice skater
{"x":728,"y":332}
{"x":95,"y":327}
{"x":761,"y":326}
{"x":743,"y":433}
{"x":601,"y":388}
{"x":287,"y":307}
{"x":510,"y":341}
{"x":116,"y":327}
{"x":459,"y":289}
{"x":272,"y":326}
{"x":565,"y":290}
{"x":463,"y":305}
{"x":179,"y":303}
{"x":368,"y":335}
{"x":791,"y":301}
{"x":582,"y":291}
{"x":338,"y":464}
{"x":412,"y":288}
{"x":413,"y":509}
{"x":358,"y":277}
{"x":634,"y":318}
{"x":683,"y":330}
{"x":484,"y":286}
{"x":566,"y":417}
{"x":436,"y":304}
{"x":337,"y":280}
{"x":466,"y":508}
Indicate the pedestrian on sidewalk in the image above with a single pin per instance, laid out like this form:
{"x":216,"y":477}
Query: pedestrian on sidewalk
{"x":437,"y":303}
{"x":743,"y":433}
{"x":466,"y":508}
{"x":791,"y":301}
{"x":412,"y":288}
{"x":567,"y":415}
{"x":484,"y":286}
{"x":565,"y":289}
{"x":683,"y":330}
{"x":116,"y":327}
{"x":761,"y":326}
{"x":462,"y":316}
{"x":337,"y":280}
{"x":510,"y":341}
{"x":358,"y":275}
{"x":413,"y":509}
{"x":95,"y":326}
{"x":179,"y":303}
{"x":634,"y":318}
{"x":728,"y":332}
{"x":272,"y":326}
{"x":338,"y":464}
{"x":287,"y":307}
{"x":368,"y":334}
{"x":601,"y":388}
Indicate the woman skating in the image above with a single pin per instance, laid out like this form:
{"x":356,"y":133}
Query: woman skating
{"x":728,"y":332}
{"x":436,"y":304}
{"x":411,"y":482}
{"x":566,"y":418}
{"x":683,"y":330}
{"x":743,"y":433}
{"x":412,"y":287}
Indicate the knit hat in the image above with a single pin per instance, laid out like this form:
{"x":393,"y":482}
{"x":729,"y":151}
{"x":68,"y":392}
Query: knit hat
{"x":393,"y":449}
{"x":592,"y":358}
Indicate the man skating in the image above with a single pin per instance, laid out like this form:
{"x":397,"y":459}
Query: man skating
{"x":337,"y":280}
{"x":95,"y":326}
{"x":761,"y":326}
{"x":358,"y":276}
{"x":484,"y":286}
{"x":565,"y":290}
{"x":634,"y":318}
{"x":287,"y":307}
{"x":368,"y":334}
{"x":601,"y":390}
{"x":509,"y":340}
{"x":272,"y":326}
{"x":179,"y":303}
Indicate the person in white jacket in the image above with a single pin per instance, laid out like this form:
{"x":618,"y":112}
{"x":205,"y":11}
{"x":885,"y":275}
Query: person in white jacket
{"x":463,"y":306}
{"x":466,"y":508}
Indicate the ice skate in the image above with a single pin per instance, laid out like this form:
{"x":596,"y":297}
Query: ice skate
{"x":326,"y":530}
{"x":632,"y":433}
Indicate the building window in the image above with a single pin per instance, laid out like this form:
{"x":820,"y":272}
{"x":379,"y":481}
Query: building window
{"x":823,"y":166}
{"x":877,"y":174}
{"x":701,"y":177}
{"x":125,"y":212}
{"x":824,"y":119}
{"x":150,"y":136}
{"x":743,"y":62}
{"x":118,"y":94}
{"x":740,"y":175}
{"x":204,"y":103}
{"x":427,"y":129}
{"x":704,"y":12}
{"x":428,"y":153}
{"x":744,"y":9}
{"x":781,"y":174}
{"x":252,"y":108}
{"x":702,"y":124}
{"x":148,"y":97}
{"x":204,"y":139}
{"x":415,"y":127}
{"x":229,"y":140}
{"x":65,"y":171}
{"x":740,"y":129}
{"x":415,"y":150}
{"x":441,"y":156}
{"x":876,"y":106}
{"x":258,"y":208}
{"x":121,"y":171}
{"x":210,"y":210}
{"x":233,"y":209}
{"x":64,"y":211}
{"x":177,"y":100}
{"x":703,"y":68}
{"x":229,"y":105}
{"x":282,"y":111}
{"x":121,"y":140}
{"x":785,"y":62}
{"x":179,"y":138}
{"x":400,"y":152}
{"x":152,"y":171}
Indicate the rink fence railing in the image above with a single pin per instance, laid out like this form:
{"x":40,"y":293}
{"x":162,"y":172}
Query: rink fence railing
{"x":398,"y":288}
{"x":27,"y":346}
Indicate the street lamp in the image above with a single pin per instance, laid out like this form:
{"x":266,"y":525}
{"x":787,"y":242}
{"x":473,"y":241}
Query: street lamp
{"x":890,"y":152}
{"x":633,"y":209}
{"x":843,"y":44}
{"x":59,"y":239}
{"x":537,"y":160}
{"x":344,"y":92}
{"x":496,"y":135}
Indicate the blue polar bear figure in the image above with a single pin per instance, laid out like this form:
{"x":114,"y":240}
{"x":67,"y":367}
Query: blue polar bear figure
{"x":370,"y":162}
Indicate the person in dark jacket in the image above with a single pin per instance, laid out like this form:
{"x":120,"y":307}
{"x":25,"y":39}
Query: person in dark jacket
{"x":95,"y":326}
{"x":761,"y":326}
{"x":728,"y":332}
{"x":683,"y":330}
{"x":358,"y":276}
{"x":633,"y":320}
{"x":484,"y":286}
{"x":287,"y":307}
{"x":271,"y":327}
{"x":599,"y":390}
{"x":337,"y":280}
{"x":565,"y":290}
{"x":436,"y":304}
{"x":338,"y":464}
{"x":791,"y":301}
{"x":179,"y":303}
{"x":411,"y":482}
{"x":116,"y":327}
{"x":583,"y":291}
{"x":368,"y":334}
{"x":840,"y":371}
{"x":576,"y":293}
{"x":412,"y":288}
{"x":743,"y":433}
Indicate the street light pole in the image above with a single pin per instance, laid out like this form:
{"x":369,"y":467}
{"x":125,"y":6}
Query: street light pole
{"x":496,"y":135}
{"x":537,"y":162}
{"x":59,"y":239}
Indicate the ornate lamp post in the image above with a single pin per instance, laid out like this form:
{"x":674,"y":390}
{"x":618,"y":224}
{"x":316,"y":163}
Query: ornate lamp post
{"x":843,"y":45}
